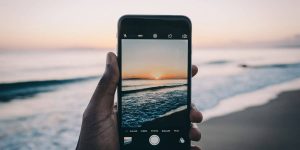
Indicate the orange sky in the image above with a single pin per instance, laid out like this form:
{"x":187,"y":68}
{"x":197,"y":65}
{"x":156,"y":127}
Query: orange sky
{"x":154,"y":59}
{"x":42,"y":24}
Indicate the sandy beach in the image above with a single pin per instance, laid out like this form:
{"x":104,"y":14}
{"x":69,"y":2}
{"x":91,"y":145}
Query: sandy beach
{"x":275,"y":125}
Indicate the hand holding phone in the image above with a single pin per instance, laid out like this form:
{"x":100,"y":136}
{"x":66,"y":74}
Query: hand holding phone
{"x":154,"y":92}
{"x":99,"y":126}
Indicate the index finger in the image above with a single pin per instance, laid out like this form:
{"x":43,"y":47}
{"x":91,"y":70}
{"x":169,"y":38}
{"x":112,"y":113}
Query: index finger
{"x":194,"y":70}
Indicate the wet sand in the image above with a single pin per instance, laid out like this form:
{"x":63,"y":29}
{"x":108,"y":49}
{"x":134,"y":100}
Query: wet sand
{"x":274,"y":126}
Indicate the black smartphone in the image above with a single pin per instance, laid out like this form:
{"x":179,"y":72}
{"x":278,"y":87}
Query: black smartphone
{"x":154,"y":91}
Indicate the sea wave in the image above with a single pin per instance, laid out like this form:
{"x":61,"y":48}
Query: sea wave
{"x":279,"y":65}
{"x":254,"y":98}
{"x":217,"y":62}
{"x":181,"y":108}
{"x":152,"y":88}
{"x":154,"y":104}
{"x":10,"y":91}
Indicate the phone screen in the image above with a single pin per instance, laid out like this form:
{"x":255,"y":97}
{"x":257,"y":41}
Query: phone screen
{"x":155,"y":87}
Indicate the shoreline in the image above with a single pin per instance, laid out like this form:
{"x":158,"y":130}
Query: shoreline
{"x":252,"y":99}
{"x":166,"y":121}
{"x":234,"y":104}
{"x":272,"y":126}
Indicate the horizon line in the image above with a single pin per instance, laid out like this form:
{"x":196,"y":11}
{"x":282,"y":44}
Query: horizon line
{"x":113,"y":48}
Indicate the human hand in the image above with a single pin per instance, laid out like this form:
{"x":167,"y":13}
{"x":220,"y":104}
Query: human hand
{"x":99,"y":129}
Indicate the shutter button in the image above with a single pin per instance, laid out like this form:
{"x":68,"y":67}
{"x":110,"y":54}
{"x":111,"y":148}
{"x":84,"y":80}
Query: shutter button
{"x":154,"y":140}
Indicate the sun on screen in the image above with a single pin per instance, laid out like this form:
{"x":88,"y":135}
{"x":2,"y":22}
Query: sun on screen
{"x":156,"y":75}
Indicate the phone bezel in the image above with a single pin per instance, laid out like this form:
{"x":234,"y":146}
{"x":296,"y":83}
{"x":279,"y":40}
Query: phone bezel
{"x":144,"y":20}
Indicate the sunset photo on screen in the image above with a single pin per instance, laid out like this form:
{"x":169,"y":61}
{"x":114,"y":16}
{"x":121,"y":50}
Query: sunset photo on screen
{"x":154,"y":87}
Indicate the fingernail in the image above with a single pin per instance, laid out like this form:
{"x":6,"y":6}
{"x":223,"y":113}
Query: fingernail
{"x":108,"y":59}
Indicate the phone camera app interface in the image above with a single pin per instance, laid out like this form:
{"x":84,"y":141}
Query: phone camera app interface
{"x":154,"y":91}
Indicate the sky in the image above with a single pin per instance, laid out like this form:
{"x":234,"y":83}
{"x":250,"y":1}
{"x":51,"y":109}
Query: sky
{"x":64,"y":24}
{"x":157,"y":59}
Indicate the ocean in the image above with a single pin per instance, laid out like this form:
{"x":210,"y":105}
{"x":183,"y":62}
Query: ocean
{"x":44,"y":93}
{"x":160,"y":98}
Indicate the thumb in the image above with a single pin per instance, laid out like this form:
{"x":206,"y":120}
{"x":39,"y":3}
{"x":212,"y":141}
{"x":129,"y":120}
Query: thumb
{"x":103,"y":97}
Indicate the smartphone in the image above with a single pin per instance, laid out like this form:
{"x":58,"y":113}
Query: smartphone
{"x":154,"y":91}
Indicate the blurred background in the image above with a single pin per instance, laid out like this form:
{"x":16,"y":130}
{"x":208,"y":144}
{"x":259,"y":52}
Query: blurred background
{"x":52,"y":55}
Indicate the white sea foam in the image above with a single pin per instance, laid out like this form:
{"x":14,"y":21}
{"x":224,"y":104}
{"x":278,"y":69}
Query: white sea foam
{"x":251,"y":99}
{"x":181,"y":108}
